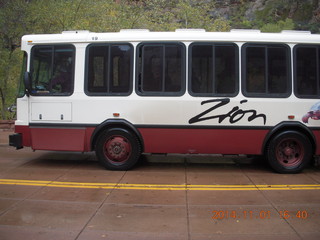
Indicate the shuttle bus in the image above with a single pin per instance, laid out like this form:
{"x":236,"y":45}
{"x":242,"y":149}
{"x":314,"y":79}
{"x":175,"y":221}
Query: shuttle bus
{"x":125,"y":93}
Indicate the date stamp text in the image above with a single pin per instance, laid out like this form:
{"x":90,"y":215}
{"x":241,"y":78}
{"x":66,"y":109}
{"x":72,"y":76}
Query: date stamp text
{"x":250,"y":214}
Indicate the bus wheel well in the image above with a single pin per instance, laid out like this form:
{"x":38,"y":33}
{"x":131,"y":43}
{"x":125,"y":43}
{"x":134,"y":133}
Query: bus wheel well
{"x":121,"y":124}
{"x":298,"y":127}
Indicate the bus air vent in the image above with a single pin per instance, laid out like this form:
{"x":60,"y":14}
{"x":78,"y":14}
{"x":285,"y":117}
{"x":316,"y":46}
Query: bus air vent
{"x":295,"y":32}
{"x":190,"y":30}
{"x":134,"y":30}
{"x":245,"y":31}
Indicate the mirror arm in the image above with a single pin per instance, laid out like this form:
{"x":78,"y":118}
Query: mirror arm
{"x":27,"y":83}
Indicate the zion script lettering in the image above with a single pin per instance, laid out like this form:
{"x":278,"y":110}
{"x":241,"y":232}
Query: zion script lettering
{"x":234,"y":115}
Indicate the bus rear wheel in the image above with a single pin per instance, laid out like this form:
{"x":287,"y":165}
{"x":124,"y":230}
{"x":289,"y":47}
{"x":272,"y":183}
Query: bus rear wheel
{"x":118,"y":149}
{"x":289,"y":152}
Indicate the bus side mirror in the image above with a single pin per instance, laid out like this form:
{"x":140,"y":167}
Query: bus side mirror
{"x":27,"y":82}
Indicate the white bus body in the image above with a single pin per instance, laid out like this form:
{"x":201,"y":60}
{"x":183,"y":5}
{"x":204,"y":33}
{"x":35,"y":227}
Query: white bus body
{"x":204,"y":101}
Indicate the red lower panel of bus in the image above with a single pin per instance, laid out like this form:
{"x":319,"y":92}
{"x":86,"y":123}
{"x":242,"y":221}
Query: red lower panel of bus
{"x":156,"y":140}
{"x":205,"y":141}
{"x":56,"y":139}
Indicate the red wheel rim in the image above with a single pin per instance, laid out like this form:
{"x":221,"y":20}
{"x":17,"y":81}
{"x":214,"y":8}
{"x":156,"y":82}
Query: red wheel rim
{"x":117,"y":149}
{"x":290,"y":152}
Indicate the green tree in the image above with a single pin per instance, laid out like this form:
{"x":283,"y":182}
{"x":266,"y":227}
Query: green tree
{"x":162,"y":15}
{"x":12,"y":27}
{"x":239,"y":18}
{"x":276,"y":12}
{"x":56,"y":15}
{"x":288,"y":24}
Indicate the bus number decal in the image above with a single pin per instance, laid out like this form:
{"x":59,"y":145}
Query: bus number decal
{"x":234,"y":115}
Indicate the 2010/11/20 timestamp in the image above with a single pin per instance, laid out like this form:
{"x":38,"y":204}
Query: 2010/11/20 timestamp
{"x":248,"y":214}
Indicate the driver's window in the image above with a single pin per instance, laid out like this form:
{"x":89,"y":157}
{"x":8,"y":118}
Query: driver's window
{"x":52,"y":69}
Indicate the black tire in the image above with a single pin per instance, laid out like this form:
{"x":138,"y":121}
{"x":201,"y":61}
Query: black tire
{"x":118,"y":149}
{"x":289,"y":152}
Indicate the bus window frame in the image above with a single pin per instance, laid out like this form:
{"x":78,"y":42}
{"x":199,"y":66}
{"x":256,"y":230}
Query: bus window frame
{"x":237,"y":72}
{"x":49,"y":94}
{"x":139,"y":72}
{"x":108,"y":93}
{"x":244,"y":91}
{"x":22,"y":88}
{"x":295,"y":64}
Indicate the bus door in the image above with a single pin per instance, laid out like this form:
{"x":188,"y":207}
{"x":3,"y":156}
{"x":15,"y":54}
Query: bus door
{"x":50,"y":86}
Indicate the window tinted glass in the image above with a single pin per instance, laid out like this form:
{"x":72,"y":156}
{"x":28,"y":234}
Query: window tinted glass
{"x":278,"y":70}
{"x":256,"y":70}
{"x":109,"y":69}
{"x":152,"y":74}
{"x":52,"y":70}
{"x":266,"y":71}
{"x":214,"y":69}
{"x":307,"y":79}
{"x":160,"y":69}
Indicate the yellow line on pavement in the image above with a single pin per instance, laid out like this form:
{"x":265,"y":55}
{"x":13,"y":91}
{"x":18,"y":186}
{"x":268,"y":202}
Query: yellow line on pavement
{"x":171,"y":187}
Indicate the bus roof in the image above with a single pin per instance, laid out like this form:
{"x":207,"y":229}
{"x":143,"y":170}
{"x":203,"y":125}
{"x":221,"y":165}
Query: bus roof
{"x":188,"y":35}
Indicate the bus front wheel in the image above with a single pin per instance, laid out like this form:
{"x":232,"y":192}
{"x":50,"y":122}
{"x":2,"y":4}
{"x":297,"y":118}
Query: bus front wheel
{"x":289,"y":152}
{"x":118,"y":149}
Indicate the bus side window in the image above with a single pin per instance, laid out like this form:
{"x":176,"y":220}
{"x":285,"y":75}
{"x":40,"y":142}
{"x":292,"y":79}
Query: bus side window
{"x":109,"y":69}
{"x":160,"y":69}
{"x":307,"y":79}
{"x":213,"y":69}
{"x":52,"y":69}
{"x":266,"y":70}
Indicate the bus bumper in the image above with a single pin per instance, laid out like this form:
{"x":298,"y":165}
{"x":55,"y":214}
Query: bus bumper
{"x":15,"y":140}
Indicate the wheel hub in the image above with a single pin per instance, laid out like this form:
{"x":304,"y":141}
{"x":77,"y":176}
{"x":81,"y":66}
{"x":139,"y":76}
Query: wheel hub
{"x":117,"y":149}
{"x":289,"y":153}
